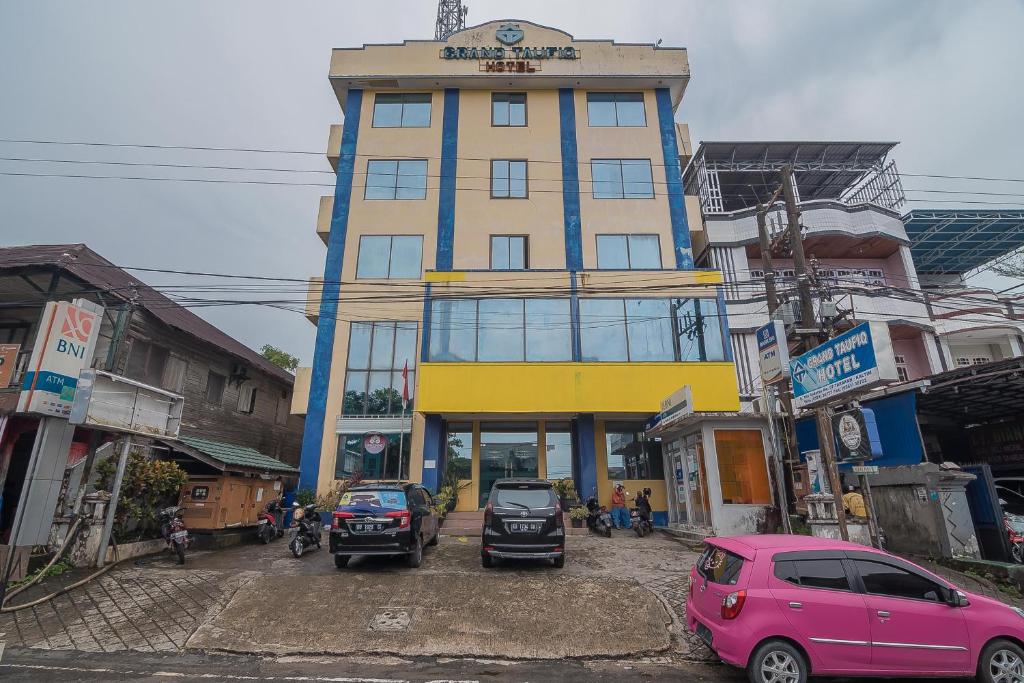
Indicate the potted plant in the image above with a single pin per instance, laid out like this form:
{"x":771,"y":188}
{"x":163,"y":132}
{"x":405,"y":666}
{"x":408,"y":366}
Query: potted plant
{"x":577,"y":515}
{"x":565,"y":489}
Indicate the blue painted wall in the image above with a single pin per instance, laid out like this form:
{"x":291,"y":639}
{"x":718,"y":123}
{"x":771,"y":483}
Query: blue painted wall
{"x":570,"y":180}
{"x":674,"y":181}
{"x":433,"y":449}
{"x":449,"y":170}
{"x":587,"y":453}
{"x":313,"y":432}
{"x":896,"y":417}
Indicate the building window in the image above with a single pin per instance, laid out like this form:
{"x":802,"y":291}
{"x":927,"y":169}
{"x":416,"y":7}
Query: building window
{"x":493,"y":330}
{"x":558,"y":450}
{"x":509,"y":252}
{"x":393,"y":257}
{"x":628,"y":252}
{"x":641,"y":330}
{"x":247,"y":399}
{"x":630,"y":456}
{"x":901,"y":368}
{"x":401,"y":110}
{"x":460,"y":450}
{"x":508,"y":179}
{"x":741,"y":467}
{"x":215,"y":387}
{"x":284,"y":408}
{"x":616,"y":109}
{"x":622,"y":178}
{"x":378,"y":352}
{"x":352,"y":458}
{"x":396,"y":179}
{"x":175,"y":371}
{"x":508,"y":109}
{"x":146,"y":362}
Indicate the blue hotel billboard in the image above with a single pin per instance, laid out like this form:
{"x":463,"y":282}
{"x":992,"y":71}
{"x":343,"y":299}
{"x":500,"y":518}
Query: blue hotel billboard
{"x":859,"y":359}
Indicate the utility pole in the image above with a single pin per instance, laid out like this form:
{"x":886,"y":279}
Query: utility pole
{"x":810,"y":334}
{"x":451,"y":17}
{"x":766,"y":258}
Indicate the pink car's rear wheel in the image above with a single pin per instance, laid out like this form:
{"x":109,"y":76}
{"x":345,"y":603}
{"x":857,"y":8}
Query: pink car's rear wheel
{"x":776,"y":661}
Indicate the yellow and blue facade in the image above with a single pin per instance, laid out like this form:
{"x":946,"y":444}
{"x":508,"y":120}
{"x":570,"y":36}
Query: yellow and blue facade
{"x":509,"y":236}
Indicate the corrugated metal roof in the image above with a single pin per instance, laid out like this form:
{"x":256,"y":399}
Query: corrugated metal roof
{"x":85,"y":264}
{"x":240,"y":456}
{"x":956,"y":241}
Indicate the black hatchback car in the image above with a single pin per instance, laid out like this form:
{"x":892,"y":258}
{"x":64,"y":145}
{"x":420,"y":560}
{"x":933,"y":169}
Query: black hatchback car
{"x":523,"y":520}
{"x":383,"y":519}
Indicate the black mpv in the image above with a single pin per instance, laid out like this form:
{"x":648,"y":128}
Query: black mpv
{"x":523,"y":520}
{"x":383,"y":519}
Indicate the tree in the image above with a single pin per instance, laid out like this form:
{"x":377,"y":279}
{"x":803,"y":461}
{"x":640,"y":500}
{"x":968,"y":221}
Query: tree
{"x":279,"y":357}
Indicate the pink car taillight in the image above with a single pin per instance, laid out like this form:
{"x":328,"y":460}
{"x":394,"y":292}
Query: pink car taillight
{"x":732,"y":604}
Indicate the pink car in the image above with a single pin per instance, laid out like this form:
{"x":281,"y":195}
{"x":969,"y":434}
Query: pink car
{"x":786,"y":607}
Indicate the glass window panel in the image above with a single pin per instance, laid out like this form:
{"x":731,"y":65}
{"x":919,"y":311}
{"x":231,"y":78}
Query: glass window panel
{"x":396,"y":387}
{"x":548,"y":333}
{"x":649,"y":329}
{"x":374,"y":254}
{"x":601,"y":109}
{"x":380,"y":179}
{"x":883,"y":579}
{"x":460,"y":450}
{"x":359,"y":346}
{"x":379,"y":394}
{"x":517,"y":109}
{"x":499,"y":253}
{"x":699,"y":329}
{"x":644,"y":251}
{"x":517,"y":179}
{"x":412,"y":179}
{"x":558,"y":447}
{"x":350,"y":455}
{"x":405,"y":345}
{"x":636,"y":178}
{"x":453,"y":330}
{"x":517,"y":253}
{"x":741,"y":466}
{"x":406,"y":251}
{"x":416,"y":110}
{"x":828,"y":574}
{"x":499,"y":110}
{"x":629,"y":109}
{"x":500,"y":336}
{"x":714,"y":345}
{"x":383,"y":346}
{"x":612,"y":252}
{"x":602,"y":330}
{"x":387,"y":111}
{"x":499,"y":178}
{"x":354,"y":401}
{"x":629,"y":455}
{"x":607,"y":177}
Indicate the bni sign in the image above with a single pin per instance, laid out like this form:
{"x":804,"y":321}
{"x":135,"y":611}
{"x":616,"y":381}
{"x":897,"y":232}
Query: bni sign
{"x":772,"y":352}
{"x":858,"y":359}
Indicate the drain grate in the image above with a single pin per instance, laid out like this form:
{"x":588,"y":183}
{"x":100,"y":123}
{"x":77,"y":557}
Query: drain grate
{"x":391,"y":619}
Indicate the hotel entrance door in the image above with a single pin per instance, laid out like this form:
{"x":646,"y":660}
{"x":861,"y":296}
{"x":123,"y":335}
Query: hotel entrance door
{"x":506,"y":450}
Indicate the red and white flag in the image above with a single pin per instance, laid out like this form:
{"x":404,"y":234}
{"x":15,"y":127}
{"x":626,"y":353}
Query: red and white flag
{"x":405,"y":384}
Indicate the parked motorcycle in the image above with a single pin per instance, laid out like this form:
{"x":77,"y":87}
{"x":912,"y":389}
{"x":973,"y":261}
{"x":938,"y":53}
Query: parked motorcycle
{"x":599,"y":520}
{"x":307,"y":527}
{"x":270,"y":522}
{"x":1015,"y":530}
{"x":172,"y":528}
{"x":641,"y":524}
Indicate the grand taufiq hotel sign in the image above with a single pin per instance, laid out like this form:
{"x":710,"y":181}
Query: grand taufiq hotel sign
{"x":510,"y":56}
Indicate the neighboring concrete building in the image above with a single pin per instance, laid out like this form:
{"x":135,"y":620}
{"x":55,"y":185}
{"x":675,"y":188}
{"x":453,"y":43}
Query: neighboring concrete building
{"x":233,"y":395}
{"x":509,"y":224}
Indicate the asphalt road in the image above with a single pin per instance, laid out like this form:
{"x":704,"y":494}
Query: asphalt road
{"x":19,"y":664}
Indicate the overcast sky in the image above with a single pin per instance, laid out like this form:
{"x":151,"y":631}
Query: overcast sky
{"x":942,"y":77}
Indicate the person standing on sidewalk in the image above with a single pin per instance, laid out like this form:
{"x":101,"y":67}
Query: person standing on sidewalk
{"x":620,"y":515}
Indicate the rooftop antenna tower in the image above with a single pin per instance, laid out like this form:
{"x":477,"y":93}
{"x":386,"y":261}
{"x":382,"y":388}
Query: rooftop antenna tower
{"x":451,"y":17}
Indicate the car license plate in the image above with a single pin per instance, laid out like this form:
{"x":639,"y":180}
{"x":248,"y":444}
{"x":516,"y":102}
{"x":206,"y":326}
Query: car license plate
{"x":367,"y":528}
{"x":179,"y":535}
{"x":524,"y":527}
{"x":704,"y":633}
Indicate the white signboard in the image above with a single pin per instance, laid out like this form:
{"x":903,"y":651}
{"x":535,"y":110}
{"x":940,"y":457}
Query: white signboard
{"x":120,"y":404}
{"x":64,"y":346}
{"x":772,"y":352}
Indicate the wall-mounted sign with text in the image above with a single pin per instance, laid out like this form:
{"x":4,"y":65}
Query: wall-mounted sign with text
{"x":509,"y":56}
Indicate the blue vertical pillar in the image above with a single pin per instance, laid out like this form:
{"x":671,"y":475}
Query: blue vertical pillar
{"x":449,"y":170}
{"x":674,"y":181}
{"x":323,"y":351}
{"x":433,"y":452}
{"x":570,"y":180}
{"x":586,"y":447}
